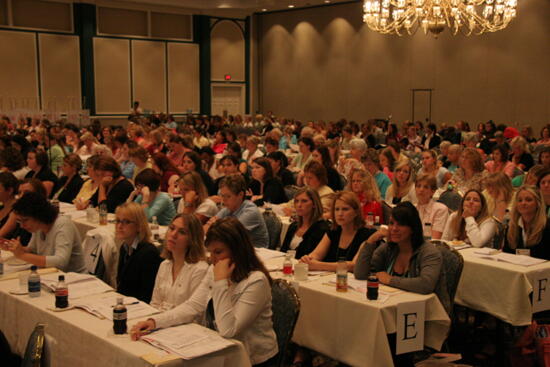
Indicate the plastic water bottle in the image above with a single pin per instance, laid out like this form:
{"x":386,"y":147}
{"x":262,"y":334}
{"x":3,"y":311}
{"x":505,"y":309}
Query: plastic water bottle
{"x":61,"y":293}
{"x":428,"y":231}
{"x":103,"y":213}
{"x":34,"y":282}
{"x":119,"y":317}
{"x":287,"y":265}
{"x":370,"y":220}
{"x":155,"y":229}
{"x":342,"y":275}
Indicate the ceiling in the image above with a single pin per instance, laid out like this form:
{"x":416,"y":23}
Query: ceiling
{"x":232,"y":7}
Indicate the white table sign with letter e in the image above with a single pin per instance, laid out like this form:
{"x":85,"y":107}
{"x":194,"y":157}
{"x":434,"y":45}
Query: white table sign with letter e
{"x":410,"y":326}
{"x":541,"y":292}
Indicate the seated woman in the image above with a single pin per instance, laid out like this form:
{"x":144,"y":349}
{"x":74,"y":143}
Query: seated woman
{"x":8,"y":191}
{"x":264,"y":187}
{"x":529,"y":229}
{"x":322,"y":155}
{"x":543,"y":183}
{"x":357,"y":147}
{"x":55,"y":239}
{"x":89,"y":187}
{"x":192,"y":162}
{"x":185,"y":266}
{"x":362,"y":184}
{"x":154,"y":202}
{"x":304,"y":234}
{"x":498,"y":193}
{"x":89,"y":144}
{"x":12,"y":161}
{"x":194,"y":197}
{"x":387,"y":161}
{"x":235,"y":294}
{"x":252,"y":151}
{"x":433,"y":215}
{"x":471,"y":171}
{"x":521,"y":157}
{"x":500,"y":162}
{"x":315,"y":177}
{"x":431,"y":167}
{"x":70,"y":183}
{"x":140,"y":157}
{"x":229,"y":165}
{"x":232,"y":191}
{"x":530,"y":178}
{"x":40,"y":169}
{"x":405,"y":261}
{"x":234,"y":149}
{"x":306,"y":146}
{"x":347,"y":234}
{"x":279,"y":162}
{"x":472,"y":222}
{"x":139,"y":260}
{"x":402,"y":187}
{"x":113,"y":188}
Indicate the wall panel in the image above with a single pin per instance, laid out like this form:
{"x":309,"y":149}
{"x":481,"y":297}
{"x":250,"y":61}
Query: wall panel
{"x":227,"y":50}
{"x":60,"y":72}
{"x":149,"y":74}
{"x":18,"y":71}
{"x":112,"y":75}
{"x":183,"y":80}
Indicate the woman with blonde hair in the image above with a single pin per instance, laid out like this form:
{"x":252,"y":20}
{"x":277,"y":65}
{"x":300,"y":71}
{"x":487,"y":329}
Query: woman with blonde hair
{"x":471,"y":171}
{"x":194,"y":197}
{"x":402,"y":187}
{"x":521,"y":156}
{"x":498,"y":193}
{"x":364,"y":186}
{"x":471,"y":222}
{"x":347,"y":234}
{"x":89,"y":144}
{"x":184,"y":266}
{"x":139,"y":259}
{"x":529,"y":230}
{"x":431,"y":167}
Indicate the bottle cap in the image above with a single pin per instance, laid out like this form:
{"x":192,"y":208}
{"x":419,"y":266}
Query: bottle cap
{"x":62,"y":278}
{"x":119,"y":300}
{"x":33,"y":268}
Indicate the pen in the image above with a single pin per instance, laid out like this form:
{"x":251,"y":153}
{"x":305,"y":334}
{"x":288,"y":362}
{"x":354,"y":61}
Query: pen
{"x":128,"y":304}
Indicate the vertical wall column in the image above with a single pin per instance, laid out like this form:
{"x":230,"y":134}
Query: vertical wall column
{"x":201,"y":26}
{"x":247,"y":62}
{"x":85,"y":28}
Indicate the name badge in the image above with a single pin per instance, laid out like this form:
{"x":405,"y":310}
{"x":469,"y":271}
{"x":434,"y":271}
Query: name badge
{"x":523,"y":251}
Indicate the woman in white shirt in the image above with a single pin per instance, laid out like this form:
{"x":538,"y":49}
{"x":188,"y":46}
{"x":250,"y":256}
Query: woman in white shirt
{"x":236,"y":293}
{"x":185,"y":266}
{"x":194,"y":197}
{"x":471,"y":222}
{"x":433,"y":215}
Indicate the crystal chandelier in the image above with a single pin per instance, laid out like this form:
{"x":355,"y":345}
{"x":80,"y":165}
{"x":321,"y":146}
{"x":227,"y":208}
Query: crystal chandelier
{"x":464,"y":16}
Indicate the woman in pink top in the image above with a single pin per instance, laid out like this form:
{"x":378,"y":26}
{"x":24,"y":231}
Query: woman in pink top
{"x":500,"y":162}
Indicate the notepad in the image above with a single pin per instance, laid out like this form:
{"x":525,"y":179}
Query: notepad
{"x":103,"y":307}
{"x":79,"y":285}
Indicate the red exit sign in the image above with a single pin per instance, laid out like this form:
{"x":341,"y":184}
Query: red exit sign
{"x":227,"y":76}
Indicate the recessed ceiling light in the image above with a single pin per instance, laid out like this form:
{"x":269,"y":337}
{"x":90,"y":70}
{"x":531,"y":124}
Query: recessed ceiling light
{"x":327,"y":1}
{"x":264,"y":9}
{"x":291,"y":6}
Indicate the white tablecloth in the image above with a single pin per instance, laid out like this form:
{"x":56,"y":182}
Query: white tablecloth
{"x":353,"y":330}
{"x":76,"y":338}
{"x":498,"y":288}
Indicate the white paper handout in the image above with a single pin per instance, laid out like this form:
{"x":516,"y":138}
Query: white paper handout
{"x":80,"y":285}
{"x":103,"y":307}
{"x":266,"y":254}
{"x":522,"y":260}
{"x":188,"y":341}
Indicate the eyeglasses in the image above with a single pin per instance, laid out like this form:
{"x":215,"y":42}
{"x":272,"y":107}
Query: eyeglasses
{"x":124,"y":222}
{"x":22,"y":220}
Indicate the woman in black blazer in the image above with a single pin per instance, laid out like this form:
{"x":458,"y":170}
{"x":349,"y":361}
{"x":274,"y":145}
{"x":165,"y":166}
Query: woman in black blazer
{"x":304,"y":234}
{"x":70,"y":183}
{"x":138,"y":260}
{"x":264,"y":187}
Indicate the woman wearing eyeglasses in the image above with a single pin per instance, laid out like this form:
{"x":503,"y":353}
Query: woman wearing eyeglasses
{"x":235,"y":294}
{"x":55,"y":240}
{"x":139,"y":260}
{"x":185,"y":266}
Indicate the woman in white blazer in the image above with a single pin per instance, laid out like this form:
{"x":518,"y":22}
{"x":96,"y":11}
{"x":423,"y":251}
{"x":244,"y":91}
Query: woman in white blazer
{"x":235,"y":294}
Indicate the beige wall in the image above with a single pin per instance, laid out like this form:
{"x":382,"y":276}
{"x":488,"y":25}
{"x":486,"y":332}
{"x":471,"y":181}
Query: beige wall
{"x":149,"y":74}
{"x":183,"y":83}
{"x":323,"y":63}
{"x":227,"y":51}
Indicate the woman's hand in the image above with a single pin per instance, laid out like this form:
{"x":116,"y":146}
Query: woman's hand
{"x":142,"y":328}
{"x":223,"y":269}
{"x":106,"y":180}
{"x":383,"y":277}
{"x":15,"y":247}
{"x":378,"y":235}
{"x":81,"y":204}
{"x":289,"y":212}
{"x":312,"y":262}
{"x":190,"y":197}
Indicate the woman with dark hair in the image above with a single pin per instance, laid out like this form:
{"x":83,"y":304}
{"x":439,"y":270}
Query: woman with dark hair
{"x":70,"y":183}
{"x":154,"y":203}
{"x":168,"y":172}
{"x":56,"y":150}
{"x":322,"y":155}
{"x":235,"y":150}
{"x":113,"y":188}
{"x":184,"y":267}
{"x":393,"y":134}
{"x":235,"y":294}
{"x":500,"y":162}
{"x":20,"y":143}
{"x":8,"y":191}
{"x":140,"y":157}
{"x":347,"y":234}
{"x":264,"y":187}
{"x":192,"y":162}
{"x":405,"y":261}
{"x":279,"y":162}
{"x":306,"y":146}
{"x":40,"y":169}
{"x":12,"y":161}
{"x":472,"y":222}
{"x":220,"y":142}
{"x":55,"y":239}
{"x":306,"y":232}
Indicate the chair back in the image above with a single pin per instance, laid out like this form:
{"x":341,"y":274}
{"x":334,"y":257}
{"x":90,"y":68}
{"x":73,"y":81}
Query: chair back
{"x":451,"y":199}
{"x":386,"y":211}
{"x":500,"y":235}
{"x":290,"y":191}
{"x":101,"y":254}
{"x":35,"y":347}
{"x":285,"y":305}
{"x":274,"y":228}
{"x":343,"y":181}
{"x":453,"y":263}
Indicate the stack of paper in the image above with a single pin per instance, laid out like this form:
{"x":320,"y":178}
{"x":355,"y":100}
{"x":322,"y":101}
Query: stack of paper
{"x":266,"y":254}
{"x":360,"y":286}
{"x":103,"y":307}
{"x":188,"y":341}
{"x":522,"y":260}
{"x":79,"y":285}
